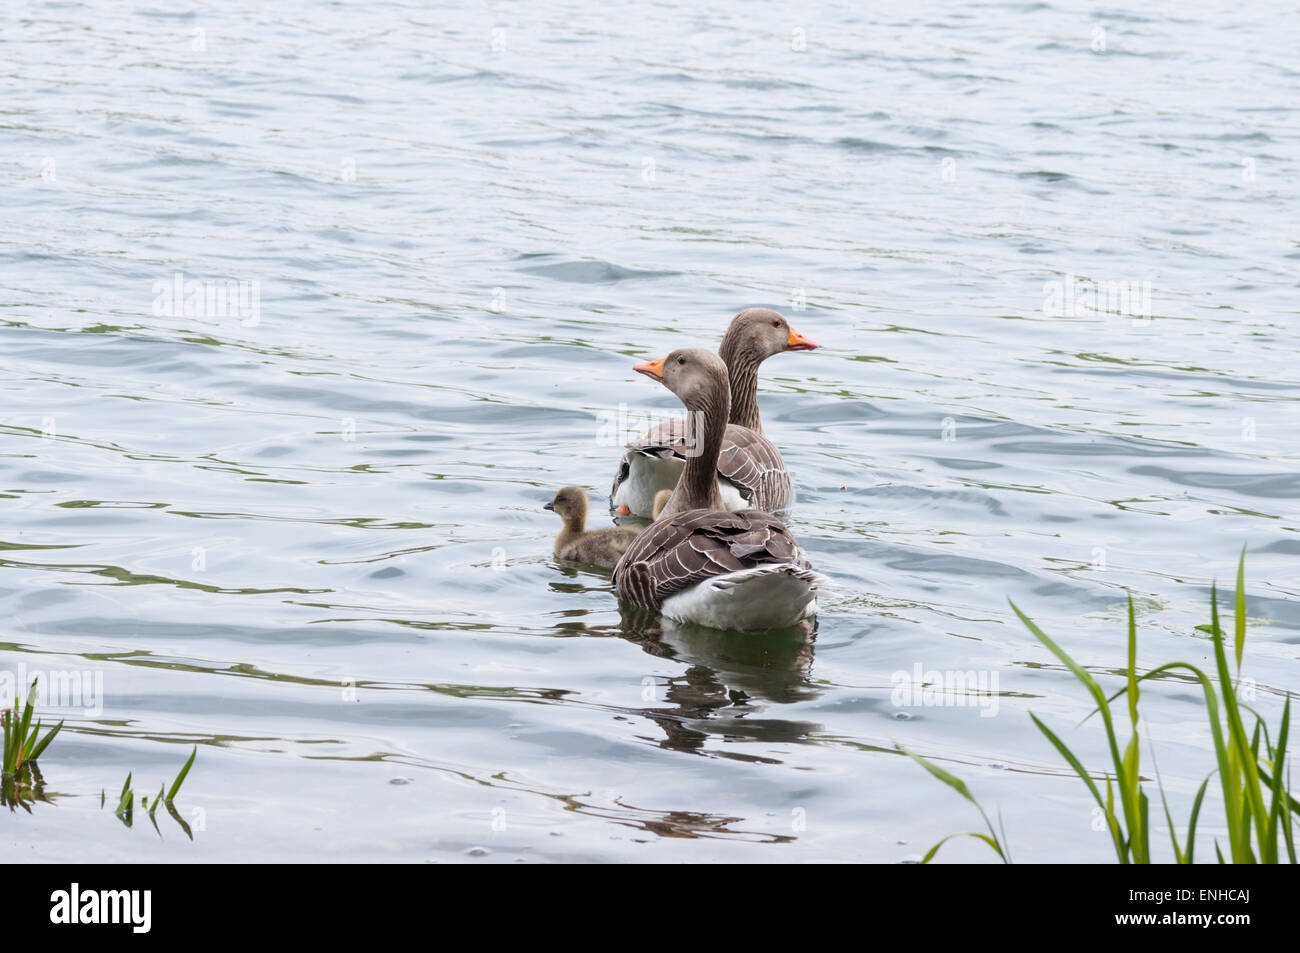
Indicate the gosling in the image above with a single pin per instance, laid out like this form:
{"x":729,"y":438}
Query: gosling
{"x":661,"y":500}
{"x":600,"y":547}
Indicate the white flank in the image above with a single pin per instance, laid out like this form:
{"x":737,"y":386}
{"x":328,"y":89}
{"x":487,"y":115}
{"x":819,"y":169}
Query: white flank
{"x":647,"y":475}
{"x":765,"y":597}
{"x":731,"y":498}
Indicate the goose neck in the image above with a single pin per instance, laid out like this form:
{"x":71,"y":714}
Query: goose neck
{"x":742,"y":375}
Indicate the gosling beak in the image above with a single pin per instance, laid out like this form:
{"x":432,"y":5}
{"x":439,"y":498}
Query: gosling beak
{"x":798,"y":342}
{"x":653,"y":369}
{"x":549,"y":506}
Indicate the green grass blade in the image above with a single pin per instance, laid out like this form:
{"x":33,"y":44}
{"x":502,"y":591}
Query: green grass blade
{"x":1075,"y":668}
{"x":45,"y":742}
{"x":958,"y":785}
{"x":1099,"y":697}
{"x":30,"y":741}
{"x":26,"y":722}
{"x":1001,"y":837}
{"x":1121,"y":847}
{"x":126,"y":802}
{"x":10,"y":749}
{"x":1179,"y":857}
{"x":1286,"y":825}
{"x":1132,"y":666}
{"x":1116,"y":835}
{"x":1242,"y":762}
{"x":180,"y":778}
{"x":984,"y":837}
{"x":1068,"y":755}
{"x":1191,"y":824}
{"x":1131,"y":793}
{"x":1239,"y":608}
{"x":954,"y":782}
{"x":1136,"y":799}
{"x":171,"y":809}
{"x":1277,"y":811}
{"x":1225,"y":750}
{"x":1141,"y":846}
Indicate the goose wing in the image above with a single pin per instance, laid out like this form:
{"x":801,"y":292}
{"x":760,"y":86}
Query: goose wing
{"x":673,"y":554}
{"x":752,"y":462}
{"x":747,"y":459}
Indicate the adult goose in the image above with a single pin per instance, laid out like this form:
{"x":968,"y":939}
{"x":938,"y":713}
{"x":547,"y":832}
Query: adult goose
{"x":750,"y":471}
{"x":600,"y":547}
{"x":699,"y":562}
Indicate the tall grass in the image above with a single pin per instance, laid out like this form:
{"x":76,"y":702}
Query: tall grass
{"x":1259,"y":811}
{"x":20,"y":779}
{"x":22,"y":741}
{"x":125,"y":810}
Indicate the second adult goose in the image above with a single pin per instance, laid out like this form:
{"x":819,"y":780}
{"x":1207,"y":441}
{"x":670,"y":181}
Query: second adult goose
{"x":750,"y":471}
{"x":699,"y":562}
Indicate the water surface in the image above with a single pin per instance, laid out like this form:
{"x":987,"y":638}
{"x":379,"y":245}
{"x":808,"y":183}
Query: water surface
{"x":309,"y":538}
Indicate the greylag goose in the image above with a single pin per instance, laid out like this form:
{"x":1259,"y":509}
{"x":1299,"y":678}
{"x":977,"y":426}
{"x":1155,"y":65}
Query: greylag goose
{"x":699,"y":562}
{"x":751,"y":472}
{"x":600,"y":547}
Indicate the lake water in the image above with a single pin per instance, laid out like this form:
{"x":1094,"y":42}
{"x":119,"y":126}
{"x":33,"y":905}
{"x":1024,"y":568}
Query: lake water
{"x":306,"y":534}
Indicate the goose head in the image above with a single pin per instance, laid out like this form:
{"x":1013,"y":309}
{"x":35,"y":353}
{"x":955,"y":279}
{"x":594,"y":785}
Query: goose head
{"x":696,"y":376}
{"x":756,"y":334}
{"x":570,"y":503}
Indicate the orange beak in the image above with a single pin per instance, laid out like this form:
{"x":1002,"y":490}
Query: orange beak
{"x":653,"y":369}
{"x":798,"y":342}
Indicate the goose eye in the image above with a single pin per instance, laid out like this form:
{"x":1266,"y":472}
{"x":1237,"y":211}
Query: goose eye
{"x":681,"y":360}
{"x":776,"y":324}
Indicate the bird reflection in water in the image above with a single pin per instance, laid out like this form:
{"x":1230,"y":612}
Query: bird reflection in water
{"x":729,"y":680}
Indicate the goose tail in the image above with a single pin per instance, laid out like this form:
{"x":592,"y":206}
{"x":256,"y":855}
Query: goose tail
{"x":769,"y":596}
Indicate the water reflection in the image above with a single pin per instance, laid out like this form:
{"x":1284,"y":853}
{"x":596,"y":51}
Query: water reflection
{"x":728,"y":677}
{"x":23,"y":788}
{"x":245,"y":527}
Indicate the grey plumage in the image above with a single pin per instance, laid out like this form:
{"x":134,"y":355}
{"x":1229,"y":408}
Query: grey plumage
{"x":677,"y":552}
{"x":748,"y":460}
{"x":695,"y":540}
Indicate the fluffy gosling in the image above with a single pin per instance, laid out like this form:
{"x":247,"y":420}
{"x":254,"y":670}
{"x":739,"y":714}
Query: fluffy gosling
{"x":599,"y":547}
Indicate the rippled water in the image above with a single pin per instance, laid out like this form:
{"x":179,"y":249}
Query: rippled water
{"x":308,"y":536}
